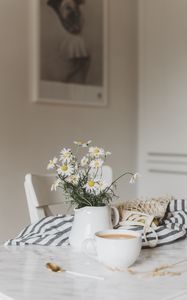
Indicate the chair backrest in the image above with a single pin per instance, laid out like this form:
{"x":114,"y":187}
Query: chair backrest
{"x":40,"y":197}
{"x":107,"y":174}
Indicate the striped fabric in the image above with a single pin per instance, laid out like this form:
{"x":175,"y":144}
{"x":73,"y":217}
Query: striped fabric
{"x":52,"y":231}
{"x":172,"y":228}
{"x":55,"y":230}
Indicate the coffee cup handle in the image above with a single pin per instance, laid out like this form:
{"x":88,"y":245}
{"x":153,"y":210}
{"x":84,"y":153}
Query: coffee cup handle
{"x":89,"y":248}
{"x":115,"y":216}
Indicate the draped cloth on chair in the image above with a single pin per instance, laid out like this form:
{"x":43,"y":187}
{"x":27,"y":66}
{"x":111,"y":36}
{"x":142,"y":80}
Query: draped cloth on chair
{"x":55,"y":230}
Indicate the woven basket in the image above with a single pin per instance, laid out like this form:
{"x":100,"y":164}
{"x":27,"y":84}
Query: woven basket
{"x":155,"y":207}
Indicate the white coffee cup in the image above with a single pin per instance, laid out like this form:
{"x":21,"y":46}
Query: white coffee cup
{"x":117,"y":249}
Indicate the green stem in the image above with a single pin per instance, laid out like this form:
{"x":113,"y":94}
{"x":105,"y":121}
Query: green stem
{"x":85,"y":200}
{"x":80,"y":196}
{"x":126,"y":173}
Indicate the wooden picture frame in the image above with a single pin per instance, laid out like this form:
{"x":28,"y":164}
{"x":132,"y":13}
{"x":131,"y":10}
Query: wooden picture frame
{"x":58,"y":52}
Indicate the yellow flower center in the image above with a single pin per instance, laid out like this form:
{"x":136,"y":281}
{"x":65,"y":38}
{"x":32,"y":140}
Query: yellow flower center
{"x":96,"y":151}
{"x":91,"y":183}
{"x":64,"y":168}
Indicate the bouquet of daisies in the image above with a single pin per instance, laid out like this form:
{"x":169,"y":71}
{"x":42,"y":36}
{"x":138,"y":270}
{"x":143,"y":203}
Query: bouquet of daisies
{"x":81,"y":178}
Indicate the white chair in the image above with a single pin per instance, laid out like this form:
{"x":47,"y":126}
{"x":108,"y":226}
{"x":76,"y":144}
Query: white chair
{"x":40,"y":197}
{"x":107,"y":174}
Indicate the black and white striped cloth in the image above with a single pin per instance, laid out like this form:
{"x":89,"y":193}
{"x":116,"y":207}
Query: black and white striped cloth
{"x":172,"y":228}
{"x":55,"y":230}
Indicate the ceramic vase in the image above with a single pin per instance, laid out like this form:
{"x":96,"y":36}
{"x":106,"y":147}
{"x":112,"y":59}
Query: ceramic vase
{"x":90,"y":219}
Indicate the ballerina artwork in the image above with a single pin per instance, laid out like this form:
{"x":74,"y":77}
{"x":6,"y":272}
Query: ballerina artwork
{"x":72,"y":48}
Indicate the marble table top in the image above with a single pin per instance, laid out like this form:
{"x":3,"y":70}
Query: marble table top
{"x":24,"y":276}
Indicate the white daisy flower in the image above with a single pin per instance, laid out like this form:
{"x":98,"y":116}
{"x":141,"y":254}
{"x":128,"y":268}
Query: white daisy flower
{"x":55,"y":185}
{"x":52,"y":163}
{"x":66,"y":155}
{"x":74,"y":179}
{"x":107,"y":153}
{"x":96,"y":163}
{"x":84,"y":161}
{"x":134,"y":177}
{"x":96,"y":152}
{"x":65,"y":170}
{"x":91,"y":187}
{"x":82,"y":144}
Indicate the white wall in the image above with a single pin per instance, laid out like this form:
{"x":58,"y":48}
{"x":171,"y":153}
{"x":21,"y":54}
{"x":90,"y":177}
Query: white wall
{"x":31,"y":133}
{"x":162,"y":97}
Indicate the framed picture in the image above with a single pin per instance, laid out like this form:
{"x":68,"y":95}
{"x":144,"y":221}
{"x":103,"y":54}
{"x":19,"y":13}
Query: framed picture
{"x":69,"y":51}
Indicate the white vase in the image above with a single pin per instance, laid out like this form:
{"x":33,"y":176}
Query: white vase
{"x":90,"y":219}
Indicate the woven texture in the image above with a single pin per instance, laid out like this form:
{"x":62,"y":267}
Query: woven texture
{"x":155,"y":207}
{"x":167,"y":223}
